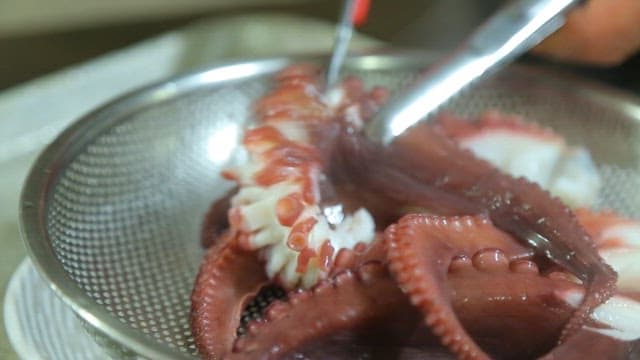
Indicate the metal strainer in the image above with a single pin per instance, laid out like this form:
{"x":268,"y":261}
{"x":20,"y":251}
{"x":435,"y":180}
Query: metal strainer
{"x":111,"y":210}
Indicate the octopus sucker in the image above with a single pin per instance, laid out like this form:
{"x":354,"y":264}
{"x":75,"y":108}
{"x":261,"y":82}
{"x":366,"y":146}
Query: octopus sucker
{"x":418,"y":249}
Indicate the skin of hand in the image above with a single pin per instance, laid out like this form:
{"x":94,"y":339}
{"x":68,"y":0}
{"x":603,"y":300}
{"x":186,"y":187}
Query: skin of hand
{"x":600,"y":32}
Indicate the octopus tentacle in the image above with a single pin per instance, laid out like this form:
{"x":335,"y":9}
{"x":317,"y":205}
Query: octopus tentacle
{"x":424,"y":168}
{"x":485,"y":264}
{"x":514,"y":205}
{"x":350,"y":299}
{"x":575,"y":250}
{"x":227,"y":280}
{"x":280,"y":208}
{"x":420,"y":270}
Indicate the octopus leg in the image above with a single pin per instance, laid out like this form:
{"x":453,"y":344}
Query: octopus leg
{"x":458,"y":297}
{"x":514,"y":205}
{"x":350,"y":299}
{"x":420,"y":269}
{"x":227,"y":280}
{"x":517,"y":206}
{"x":458,"y":300}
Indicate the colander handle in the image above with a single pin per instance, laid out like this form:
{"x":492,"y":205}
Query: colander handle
{"x":509,"y":33}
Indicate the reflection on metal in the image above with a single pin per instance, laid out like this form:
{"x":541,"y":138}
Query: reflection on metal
{"x":221,"y":143}
{"x":506,"y":35}
{"x":344,"y":32}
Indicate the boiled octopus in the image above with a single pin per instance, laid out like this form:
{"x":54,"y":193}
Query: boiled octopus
{"x":414,"y":250}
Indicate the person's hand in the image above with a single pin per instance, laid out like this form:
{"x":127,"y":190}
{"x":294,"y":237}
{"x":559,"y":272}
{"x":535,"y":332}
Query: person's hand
{"x":603,"y":32}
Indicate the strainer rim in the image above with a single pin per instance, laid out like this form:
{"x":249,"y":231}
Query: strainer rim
{"x":46,"y":168}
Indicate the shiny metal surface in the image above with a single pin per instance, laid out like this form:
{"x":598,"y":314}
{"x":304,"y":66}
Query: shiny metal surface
{"x":111,"y":210}
{"x":344,"y":32}
{"x":506,"y":35}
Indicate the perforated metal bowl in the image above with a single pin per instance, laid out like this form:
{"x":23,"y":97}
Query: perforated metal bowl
{"x":111,"y":210}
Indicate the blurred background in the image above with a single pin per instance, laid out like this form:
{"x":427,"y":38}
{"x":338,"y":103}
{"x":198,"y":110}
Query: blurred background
{"x":39,"y":36}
